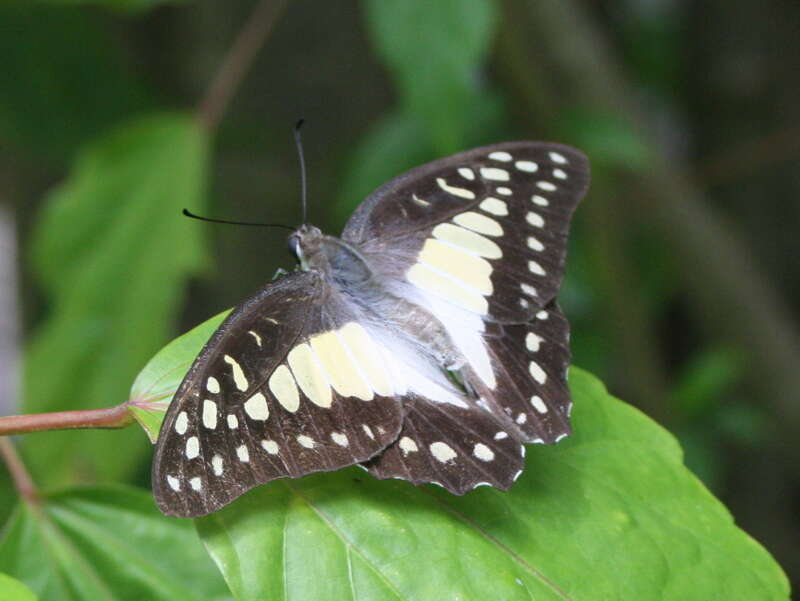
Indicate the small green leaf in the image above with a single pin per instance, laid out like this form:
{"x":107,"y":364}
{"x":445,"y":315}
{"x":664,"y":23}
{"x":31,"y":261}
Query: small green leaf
{"x":110,"y":544}
{"x":13,"y":590}
{"x":113,"y":254}
{"x":608,"y":514}
{"x":153,"y":388}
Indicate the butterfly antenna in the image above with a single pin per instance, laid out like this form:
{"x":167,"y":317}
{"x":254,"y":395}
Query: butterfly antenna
{"x":299,"y":143}
{"x":188,"y":213}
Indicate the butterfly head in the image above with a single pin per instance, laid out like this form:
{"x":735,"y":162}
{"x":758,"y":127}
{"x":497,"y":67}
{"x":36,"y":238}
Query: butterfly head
{"x":305,"y":243}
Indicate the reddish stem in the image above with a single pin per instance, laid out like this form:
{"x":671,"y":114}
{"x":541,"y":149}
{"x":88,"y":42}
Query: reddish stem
{"x":118,"y":416}
{"x":23,"y":482}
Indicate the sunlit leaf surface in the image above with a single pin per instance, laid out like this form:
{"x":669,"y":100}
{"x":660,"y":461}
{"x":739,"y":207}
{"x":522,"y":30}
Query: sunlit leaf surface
{"x":107,"y":544}
{"x":610,"y":513}
{"x":112,"y":253}
{"x":12,"y":589}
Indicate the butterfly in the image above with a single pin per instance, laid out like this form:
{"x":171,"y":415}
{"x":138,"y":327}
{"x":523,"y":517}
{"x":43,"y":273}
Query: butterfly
{"x":424,"y":344}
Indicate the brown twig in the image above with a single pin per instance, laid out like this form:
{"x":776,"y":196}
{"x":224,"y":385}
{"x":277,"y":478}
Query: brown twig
{"x":23,"y":482}
{"x":118,"y":416}
{"x":238,"y":59}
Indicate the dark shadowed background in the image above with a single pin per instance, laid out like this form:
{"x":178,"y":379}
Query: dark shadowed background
{"x":683,"y":278}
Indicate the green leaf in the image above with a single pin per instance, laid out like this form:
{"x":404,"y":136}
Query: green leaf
{"x":107,"y":544}
{"x":13,"y":590}
{"x":153,"y":388}
{"x":434,"y":50}
{"x":113,"y":254}
{"x":56,"y":93}
{"x":610,"y":513}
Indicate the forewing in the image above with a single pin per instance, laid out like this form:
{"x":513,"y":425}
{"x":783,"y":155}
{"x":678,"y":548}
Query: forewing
{"x":484,"y":230}
{"x":288,"y":385}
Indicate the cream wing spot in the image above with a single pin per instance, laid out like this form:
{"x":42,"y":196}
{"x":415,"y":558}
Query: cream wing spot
{"x":527,"y":166}
{"x":256,"y":337}
{"x":533,"y":342}
{"x":340,"y":439}
{"x":466,"y":173}
{"x":306,"y":441}
{"x":309,"y":375}
{"x":559,"y":174}
{"x":500,"y":155}
{"x":442,"y":284}
{"x":454,"y":190}
{"x":540,"y":200}
{"x":407,"y":445}
{"x":233,"y":421}
{"x":468,"y":269}
{"x":534,"y":219}
{"x":535,"y":244}
{"x":482,"y":452}
{"x":368,"y":431}
{"x":541,"y":315}
{"x":522,"y":418}
{"x":181,"y":423}
{"x":192,"y":447}
{"x":217,"y":465}
{"x":495,"y":206}
{"x":209,"y":414}
{"x":501,"y":435}
{"x":537,"y":373}
{"x":479,"y":223}
{"x":528,"y":289}
{"x":367,"y":355}
{"x":467,"y":240}
{"x":442,"y":452}
{"x":256,"y":407}
{"x":538,"y":404}
{"x":212,"y":385}
{"x":504,"y":191}
{"x":238,"y":374}
{"x":535,"y":268}
{"x":421,"y":202}
{"x":270,"y":446}
{"x":196,"y":483}
{"x":243,"y":454}
{"x":495,"y":174}
{"x":546,"y":186}
{"x":173,"y":483}
{"x":339,"y":366}
{"x":283,"y":387}
{"x":558,"y":158}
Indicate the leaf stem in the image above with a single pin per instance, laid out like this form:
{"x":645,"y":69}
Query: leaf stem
{"x":23,"y":482}
{"x":118,"y":416}
{"x":237,"y":61}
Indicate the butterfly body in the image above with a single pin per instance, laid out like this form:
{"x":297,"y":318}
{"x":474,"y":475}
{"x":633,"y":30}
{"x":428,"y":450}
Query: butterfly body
{"x":424,"y":344}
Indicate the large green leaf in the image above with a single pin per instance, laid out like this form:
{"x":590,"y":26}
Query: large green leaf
{"x":609,"y":514}
{"x":107,"y":544}
{"x":113,"y":254}
{"x":434,"y":50}
{"x":133,"y":6}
